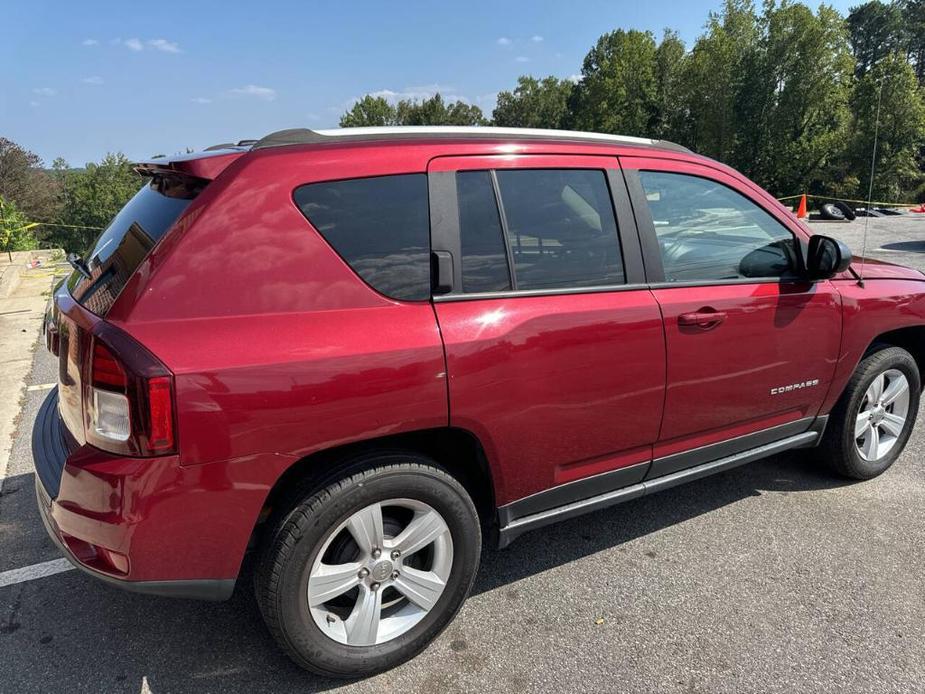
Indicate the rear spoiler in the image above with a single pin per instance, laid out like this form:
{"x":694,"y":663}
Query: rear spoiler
{"x":205,"y":166}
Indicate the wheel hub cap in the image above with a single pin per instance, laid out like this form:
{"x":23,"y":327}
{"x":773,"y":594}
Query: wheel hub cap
{"x":381,"y":571}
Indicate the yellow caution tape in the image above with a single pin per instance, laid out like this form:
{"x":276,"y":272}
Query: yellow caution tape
{"x":832,"y":197}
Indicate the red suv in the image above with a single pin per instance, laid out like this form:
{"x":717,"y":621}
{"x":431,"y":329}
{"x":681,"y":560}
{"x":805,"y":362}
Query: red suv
{"x":356,"y":353}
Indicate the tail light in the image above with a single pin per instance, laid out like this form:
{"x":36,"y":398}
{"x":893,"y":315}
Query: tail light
{"x":128,"y":400}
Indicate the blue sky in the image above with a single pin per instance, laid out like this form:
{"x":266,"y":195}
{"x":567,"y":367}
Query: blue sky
{"x":84,"y":78}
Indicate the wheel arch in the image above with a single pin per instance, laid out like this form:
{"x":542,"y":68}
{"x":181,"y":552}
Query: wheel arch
{"x":456,"y":450}
{"x":911,"y":339}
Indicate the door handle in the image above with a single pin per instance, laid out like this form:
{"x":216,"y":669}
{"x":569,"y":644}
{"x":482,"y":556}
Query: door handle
{"x":705,"y":319}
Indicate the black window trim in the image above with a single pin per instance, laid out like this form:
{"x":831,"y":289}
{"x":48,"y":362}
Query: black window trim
{"x":445,"y":233}
{"x":652,"y":257}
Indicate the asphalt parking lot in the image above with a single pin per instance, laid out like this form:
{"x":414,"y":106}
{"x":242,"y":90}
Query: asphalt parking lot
{"x":774,"y":577}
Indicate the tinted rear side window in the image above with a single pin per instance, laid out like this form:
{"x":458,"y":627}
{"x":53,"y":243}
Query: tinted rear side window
{"x":379,"y":226}
{"x":484,"y":260}
{"x":561,"y":228}
{"x":130,"y":236}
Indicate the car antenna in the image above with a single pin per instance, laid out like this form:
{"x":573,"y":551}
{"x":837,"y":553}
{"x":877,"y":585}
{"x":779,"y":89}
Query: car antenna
{"x":870,"y":187}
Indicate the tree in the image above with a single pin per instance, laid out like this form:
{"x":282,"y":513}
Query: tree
{"x":23,"y":181}
{"x":913,"y":12}
{"x":713,"y":77}
{"x":617,"y":92}
{"x":434,"y":111}
{"x":875,"y":30}
{"x":669,"y":64}
{"x":369,"y":111}
{"x":375,"y":110}
{"x":91,"y":198}
{"x":793,"y":121}
{"x":902,"y":128}
{"x":16,"y":233}
{"x":534,"y":103}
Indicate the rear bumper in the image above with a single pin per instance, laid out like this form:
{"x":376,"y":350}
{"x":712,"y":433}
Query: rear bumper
{"x":90,"y":505}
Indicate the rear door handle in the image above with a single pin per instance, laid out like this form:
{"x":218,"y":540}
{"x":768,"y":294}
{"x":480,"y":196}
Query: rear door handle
{"x":705,"y":319}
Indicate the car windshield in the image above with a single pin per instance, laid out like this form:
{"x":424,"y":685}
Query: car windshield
{"x":131,"y":235}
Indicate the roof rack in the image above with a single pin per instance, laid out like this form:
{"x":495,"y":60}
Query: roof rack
{"x":304,"y":136}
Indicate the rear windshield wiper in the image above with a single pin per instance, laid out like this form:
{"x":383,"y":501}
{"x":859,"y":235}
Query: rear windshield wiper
{"x":78,"y":264}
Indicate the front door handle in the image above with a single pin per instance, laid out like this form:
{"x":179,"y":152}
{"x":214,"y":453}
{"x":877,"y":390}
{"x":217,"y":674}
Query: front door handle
{"x":705,"y":319}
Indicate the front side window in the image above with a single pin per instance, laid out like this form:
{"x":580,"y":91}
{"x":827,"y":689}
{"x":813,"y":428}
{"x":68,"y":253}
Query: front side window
{"x":379,"y":226}
{"x":707,"y":231}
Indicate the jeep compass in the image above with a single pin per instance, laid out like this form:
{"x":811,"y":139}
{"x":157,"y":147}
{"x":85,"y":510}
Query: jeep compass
{"x":357,"y":355}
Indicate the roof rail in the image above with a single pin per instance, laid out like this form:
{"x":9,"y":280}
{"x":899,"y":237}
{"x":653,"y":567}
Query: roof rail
{"x":304,"y":136}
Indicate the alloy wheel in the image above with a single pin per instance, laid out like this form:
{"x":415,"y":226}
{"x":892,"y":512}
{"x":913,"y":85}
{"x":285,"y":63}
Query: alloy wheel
{"x":380,"y":572}
{"x":882,"y":415}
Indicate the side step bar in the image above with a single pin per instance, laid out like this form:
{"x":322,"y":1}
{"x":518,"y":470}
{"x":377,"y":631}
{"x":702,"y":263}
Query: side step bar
{"x":508,"y":533}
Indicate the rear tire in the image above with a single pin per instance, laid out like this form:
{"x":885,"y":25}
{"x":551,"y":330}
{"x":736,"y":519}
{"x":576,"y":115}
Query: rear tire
{"x":373,"y":625}
{"x":865,"y":436}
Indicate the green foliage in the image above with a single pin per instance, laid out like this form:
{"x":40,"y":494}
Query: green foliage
{"x":617,"y":92}
{"x":782,"y":93}
{"x":794,"y":121}
{"x":714,"y":78}
{"x":369,"y":111}
{"x":914,"y":27}
{"x":24,"y":182}
{"x":875,"y":30}
{"x":534,"y":104}
{"x":15,"y":231}
{"x":377,"y":111}
{"x":91,"y":197}
{"x":434,"y":111}
{"x":902,"y":128}
{"x":669,"y":80}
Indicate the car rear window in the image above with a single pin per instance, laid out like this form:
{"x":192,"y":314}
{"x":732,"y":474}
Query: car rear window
{"x":379,"y":226}
{"x":130,"y":236}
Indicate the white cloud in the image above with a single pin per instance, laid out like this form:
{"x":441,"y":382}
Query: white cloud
{"x":164,"y":45}
{"x":504,"y":41}
{"x":254,"y":90}
{"x":575,"y":79}
{"x":201,"y":100}
{"x":44,"y":91}
{"x":90,"y":42}
{"x":133,"y":44}
{"x":536,"y":38}
{"x":522,"y":59}
{"x":33,"y":104}
{"x":93,"y":79}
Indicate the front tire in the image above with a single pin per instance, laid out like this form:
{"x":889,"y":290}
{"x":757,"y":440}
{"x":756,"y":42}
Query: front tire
{"x":872,"y":422}
{"x":363,"y":574}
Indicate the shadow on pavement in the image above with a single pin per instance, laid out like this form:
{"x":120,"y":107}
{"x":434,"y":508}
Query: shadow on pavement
{"x":70,"y":633}
{"x":907,"y":246}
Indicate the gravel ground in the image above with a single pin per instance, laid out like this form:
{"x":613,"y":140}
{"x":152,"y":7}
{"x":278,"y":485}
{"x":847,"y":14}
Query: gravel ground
{"x":774,"y":577}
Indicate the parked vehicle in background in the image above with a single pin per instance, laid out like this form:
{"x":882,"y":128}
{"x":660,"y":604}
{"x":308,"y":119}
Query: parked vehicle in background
{"x":362,"y":353}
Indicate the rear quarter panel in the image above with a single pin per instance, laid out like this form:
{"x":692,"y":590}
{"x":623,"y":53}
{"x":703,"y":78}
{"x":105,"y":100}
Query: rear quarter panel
{"x":277,"y":346}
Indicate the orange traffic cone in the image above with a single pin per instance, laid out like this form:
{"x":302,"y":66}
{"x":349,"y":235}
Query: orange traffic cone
{"x":801,"y":210}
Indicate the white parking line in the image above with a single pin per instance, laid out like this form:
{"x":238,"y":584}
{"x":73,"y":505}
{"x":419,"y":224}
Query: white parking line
{"x":30,"y":573}
{"x":42,"y":386}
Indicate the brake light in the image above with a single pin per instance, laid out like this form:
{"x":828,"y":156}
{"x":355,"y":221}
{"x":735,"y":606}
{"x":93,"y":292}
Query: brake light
{"x":160,"y":407}
{"x":129,"y":397}
{"x":106,"y":370}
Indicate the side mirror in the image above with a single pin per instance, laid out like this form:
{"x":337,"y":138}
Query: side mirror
{"x":827,"y":257}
